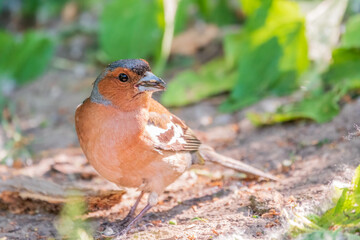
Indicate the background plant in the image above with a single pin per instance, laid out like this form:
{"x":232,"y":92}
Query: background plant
{"x":264,"y":49}
{"x":339,"y":222}
{"x":266,"y":54}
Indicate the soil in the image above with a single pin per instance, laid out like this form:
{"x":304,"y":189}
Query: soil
{"x":207,"y":203}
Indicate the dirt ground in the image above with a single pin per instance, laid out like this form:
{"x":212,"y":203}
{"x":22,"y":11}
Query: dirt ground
{"x":210,"y":203}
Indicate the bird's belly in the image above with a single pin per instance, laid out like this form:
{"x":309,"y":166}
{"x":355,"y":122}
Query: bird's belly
{"x":165,"y":170}
{"x":145,"y":170}
{"x":120,"y":165}
{"x":137,"y":165}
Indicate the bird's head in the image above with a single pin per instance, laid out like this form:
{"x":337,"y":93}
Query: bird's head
{"x":125,"y":83}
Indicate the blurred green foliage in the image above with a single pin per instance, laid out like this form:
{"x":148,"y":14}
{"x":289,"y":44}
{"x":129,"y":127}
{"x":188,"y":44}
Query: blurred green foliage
{"x":322,"y":102}
{"x":220,"y":12}
{"x":25,"y":57}
{"x":329,"y":235}
{"x":351,"y":38}
{"x":70,"y":225}
{"x":208,"y":81}
{"x":131,"y":29}
{"x":343,"y":217}
{"x":43,"y":10}
{"x":16,"y":148}
{"x":134,"y":29}
{"x":22,"y":59}
{"x":321,"y":107}
{"x":266,"y":57}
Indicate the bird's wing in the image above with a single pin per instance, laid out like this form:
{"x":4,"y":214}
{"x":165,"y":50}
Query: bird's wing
{"x":168,"y":132}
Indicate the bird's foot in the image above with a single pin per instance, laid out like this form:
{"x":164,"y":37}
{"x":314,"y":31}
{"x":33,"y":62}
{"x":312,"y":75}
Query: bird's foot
{"x":117,"y":228}
{"x":116,"y":232}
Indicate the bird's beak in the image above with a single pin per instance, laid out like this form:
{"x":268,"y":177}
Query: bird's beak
{"x":150,"y":82}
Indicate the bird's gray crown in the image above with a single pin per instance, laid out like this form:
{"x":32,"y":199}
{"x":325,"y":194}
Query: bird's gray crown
{"x":138,"y":66}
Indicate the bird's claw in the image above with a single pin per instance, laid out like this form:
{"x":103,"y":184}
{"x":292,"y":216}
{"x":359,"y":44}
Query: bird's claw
{"x":109,"y":232}
{"x":118,"y":228}
{"x":114,"y":232}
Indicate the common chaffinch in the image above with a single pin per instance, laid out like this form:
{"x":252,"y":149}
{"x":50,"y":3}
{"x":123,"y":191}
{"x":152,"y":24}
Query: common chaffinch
{"x":133,"y":141}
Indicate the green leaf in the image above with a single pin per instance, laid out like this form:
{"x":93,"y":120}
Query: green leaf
{"x":285,"y":21}
{"x":131,"y":29}
{"x":250,"y":6}
{"x":269,"y":53}
{"x":344,"y":69}
{"x":339,"y":208}
{"x":30,"y":8}
{"x":329,"y":235}
{"x":25,"y":58}
{"x":345,"y":216}
{"x":258,"y":18}
{"x":235,"y":46}
{"x":199,"y":219}
{"x":267,"y":67}
{"x":191,"y":86}
{"x":346,"y":213}
{"x":356,"y":186}
{"x":342,"y":76}
{"x":33,"y":56}
{"x":7,"y":45}
{"x":71,"y":226}
{"x":221,"y":12}
{"x":320,"y":108}
{"x":182,"y":15}
{"x":204,"y":7}
{"x":258,"y":71}
{"x":352,"y":33}
{"x":173,"y":222}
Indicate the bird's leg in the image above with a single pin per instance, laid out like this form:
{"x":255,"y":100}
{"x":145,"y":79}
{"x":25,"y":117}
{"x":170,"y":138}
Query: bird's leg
{"x":110,"y":231}
{"x":152,"y":201}
{"x":109,"y":226}
{"x":131,"y":213}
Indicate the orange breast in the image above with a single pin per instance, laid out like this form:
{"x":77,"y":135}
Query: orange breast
{"x":112,"y":142}
{"x":116,"y":146}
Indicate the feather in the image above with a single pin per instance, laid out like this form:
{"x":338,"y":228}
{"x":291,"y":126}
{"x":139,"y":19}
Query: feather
{"x":208,"y":154}
{"x":169,"y":133}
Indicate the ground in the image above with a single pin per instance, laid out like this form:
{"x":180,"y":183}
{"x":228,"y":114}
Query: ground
{"x":206,"y":203}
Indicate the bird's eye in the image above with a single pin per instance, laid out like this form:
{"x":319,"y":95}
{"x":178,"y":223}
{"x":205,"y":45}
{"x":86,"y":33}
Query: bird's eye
{"x":123,"y":77}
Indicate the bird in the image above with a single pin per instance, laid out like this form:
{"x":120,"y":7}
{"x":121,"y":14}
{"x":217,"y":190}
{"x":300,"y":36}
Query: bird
{"x":133,"y":141}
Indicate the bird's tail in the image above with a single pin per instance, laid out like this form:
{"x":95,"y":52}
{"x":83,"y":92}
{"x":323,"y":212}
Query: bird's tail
{"x":206,"y":153}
